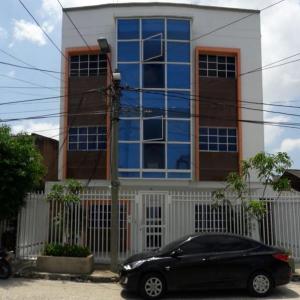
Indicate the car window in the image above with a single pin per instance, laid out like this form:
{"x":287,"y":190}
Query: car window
{"x":232,"y":243}
{"x":216,"y":243}
{"x":198,"y":245}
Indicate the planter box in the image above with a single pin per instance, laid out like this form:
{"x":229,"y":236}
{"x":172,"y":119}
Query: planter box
{"x":65,"y":265}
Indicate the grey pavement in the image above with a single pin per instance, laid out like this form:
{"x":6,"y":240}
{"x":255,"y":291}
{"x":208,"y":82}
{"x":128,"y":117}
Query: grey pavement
{"x":25,"y":289}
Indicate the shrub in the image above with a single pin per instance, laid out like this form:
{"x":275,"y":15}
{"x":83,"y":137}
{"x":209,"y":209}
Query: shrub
{"x":66,"y":250}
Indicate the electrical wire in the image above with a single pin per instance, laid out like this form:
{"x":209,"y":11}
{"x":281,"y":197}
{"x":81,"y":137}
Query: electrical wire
{"x":210,"y":101}
{"x":235,"y":21}
{"x":30,"y":82}
{"x":27,"y":64}
{"x":76,"y":28}
{"x":29,"y":68}
{"x":43,"y":30}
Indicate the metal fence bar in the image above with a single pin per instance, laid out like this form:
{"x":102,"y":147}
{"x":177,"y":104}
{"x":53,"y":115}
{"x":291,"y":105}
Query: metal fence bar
{"x":160,"y":217}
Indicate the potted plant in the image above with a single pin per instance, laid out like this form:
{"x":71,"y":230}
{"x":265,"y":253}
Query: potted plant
{"x":67,"y":259}
{"x":67,"y":256}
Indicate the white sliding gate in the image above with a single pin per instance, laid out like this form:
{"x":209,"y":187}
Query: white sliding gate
{"x":149,"y":220}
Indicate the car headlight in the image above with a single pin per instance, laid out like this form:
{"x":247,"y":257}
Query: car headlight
{"x":134,"y":265}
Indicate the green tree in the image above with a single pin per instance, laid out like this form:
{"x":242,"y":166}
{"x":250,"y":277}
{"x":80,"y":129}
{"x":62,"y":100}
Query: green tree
{"x":21,"y":170}
{"x":268,"y":169}
{"x":67,"y":194}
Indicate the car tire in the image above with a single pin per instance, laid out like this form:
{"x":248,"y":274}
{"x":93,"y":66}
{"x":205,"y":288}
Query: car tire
{"x":152,"y":286}
{"x":5,"y":269}
{"x":260,"y":284}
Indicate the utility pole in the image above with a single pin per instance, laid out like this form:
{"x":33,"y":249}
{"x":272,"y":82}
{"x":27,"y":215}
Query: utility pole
{"x":114,"y":231}
{"x":114,"y":120}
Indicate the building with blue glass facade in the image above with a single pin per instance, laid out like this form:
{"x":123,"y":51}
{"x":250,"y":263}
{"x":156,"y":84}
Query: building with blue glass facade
{"x":181,"y":123}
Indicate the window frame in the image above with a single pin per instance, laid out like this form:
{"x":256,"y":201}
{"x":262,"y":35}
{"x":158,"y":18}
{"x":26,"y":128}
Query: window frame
{"x":208,"y":135}
{"x":186,"y":174}
{"x":99,"y":70}
{"x":97,"y":142}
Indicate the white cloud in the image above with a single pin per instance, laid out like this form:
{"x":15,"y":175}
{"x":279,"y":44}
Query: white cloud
{"x":3,"y":33}
{"x":273,"y":133}
{"x":24,"y":30}
{"x":42,"y":128}
{"x":11,"y":73}
{"x":290,"y":145}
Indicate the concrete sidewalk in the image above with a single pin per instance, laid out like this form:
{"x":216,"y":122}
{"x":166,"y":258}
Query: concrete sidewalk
{"x":101,"y":274}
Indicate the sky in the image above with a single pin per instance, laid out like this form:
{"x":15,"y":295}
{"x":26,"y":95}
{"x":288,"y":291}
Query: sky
{"x":20,"y":37}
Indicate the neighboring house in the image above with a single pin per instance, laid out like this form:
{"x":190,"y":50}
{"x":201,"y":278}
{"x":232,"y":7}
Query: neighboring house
{"x":294,"y":177}
{"x":184,"y":125}
{"x":49,"y":150}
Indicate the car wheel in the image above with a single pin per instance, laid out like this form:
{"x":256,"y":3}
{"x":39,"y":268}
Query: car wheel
{"x":152,"y":286}
{"x":260,"y":284}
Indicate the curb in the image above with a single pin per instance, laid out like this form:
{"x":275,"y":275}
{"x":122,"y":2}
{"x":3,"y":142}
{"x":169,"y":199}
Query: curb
{"x":86,"y":278}
{"x":67,"y":277}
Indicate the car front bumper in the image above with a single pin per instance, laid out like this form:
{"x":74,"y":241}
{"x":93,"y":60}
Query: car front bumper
{"x":129,"y":279}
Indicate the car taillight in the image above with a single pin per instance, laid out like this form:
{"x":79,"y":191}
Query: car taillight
{"x":282,"y":256}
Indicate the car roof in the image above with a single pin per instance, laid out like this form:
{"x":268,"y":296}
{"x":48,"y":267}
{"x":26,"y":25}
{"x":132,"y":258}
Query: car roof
{"x":194,"y":235}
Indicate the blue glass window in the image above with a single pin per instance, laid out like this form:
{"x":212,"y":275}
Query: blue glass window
{"x":218,"y":139}
{"x":154,"y":156}
{"x":128,"y":29}
{"x":129,"y":174}
{"x":153,"y":104}
{"x":129,"y":130}
{"x":178,"y":104}
{"x":153,"y":48}
{"x":129,"y":155}
{"x":178,"y":131}
{"x":87,"y":138}
{"x":178,"y":29}
{"x":153,"y":76}
{"x":130,"y":75}
{"x":128,"y":51}
{"x":178,"y":76}
{"x":152,"y":26}
{"x":179,"y":156}
{"x":130,"y":103}
{"x":153,"y":129}
{"x":178,"y":52}
{"x":179,"y":175}
{"x":153,"y":175}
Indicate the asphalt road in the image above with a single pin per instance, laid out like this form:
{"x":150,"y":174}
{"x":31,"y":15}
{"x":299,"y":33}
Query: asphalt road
{"x":20,"y":289}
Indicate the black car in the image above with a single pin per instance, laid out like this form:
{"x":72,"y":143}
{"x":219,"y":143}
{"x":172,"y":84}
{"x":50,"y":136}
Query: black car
{"x":207,"y":261}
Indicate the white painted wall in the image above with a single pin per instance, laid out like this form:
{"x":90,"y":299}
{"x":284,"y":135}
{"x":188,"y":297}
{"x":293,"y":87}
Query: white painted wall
{"x":245,"y":35}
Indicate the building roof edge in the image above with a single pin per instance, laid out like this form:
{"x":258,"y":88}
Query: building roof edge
{"x":130,"y":4}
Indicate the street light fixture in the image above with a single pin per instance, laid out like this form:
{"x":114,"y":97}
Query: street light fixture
{"x":103,"y":45}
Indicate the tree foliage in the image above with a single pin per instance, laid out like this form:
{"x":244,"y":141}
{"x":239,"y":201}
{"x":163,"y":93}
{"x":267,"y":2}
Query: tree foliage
{"x":21,"y":170}
{"x":68,"y":194}
{"x":268,"y":168}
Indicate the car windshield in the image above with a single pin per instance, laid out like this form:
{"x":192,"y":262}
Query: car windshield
{"x":172,"y":245}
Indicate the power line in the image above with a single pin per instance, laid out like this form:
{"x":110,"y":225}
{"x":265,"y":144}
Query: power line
{"x":29,"y":82}
{"x":202,"y":99}
{"x":44,"y":31}
{"x":235,"y":21}
{"x":52,"y":97}
{"x":29,"y":68}
{"x":70,"y":19}
{"x":27,"y":64}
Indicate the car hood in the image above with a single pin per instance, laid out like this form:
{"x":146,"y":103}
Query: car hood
{"x":140,"y":256}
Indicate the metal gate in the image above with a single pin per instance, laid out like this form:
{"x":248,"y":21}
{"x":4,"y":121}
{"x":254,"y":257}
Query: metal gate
{"x":152,"y":221}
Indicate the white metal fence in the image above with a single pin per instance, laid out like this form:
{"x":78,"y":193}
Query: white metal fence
{"x":149,"y":220}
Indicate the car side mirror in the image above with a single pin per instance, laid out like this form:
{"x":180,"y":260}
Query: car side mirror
{"x":177,"y":252}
